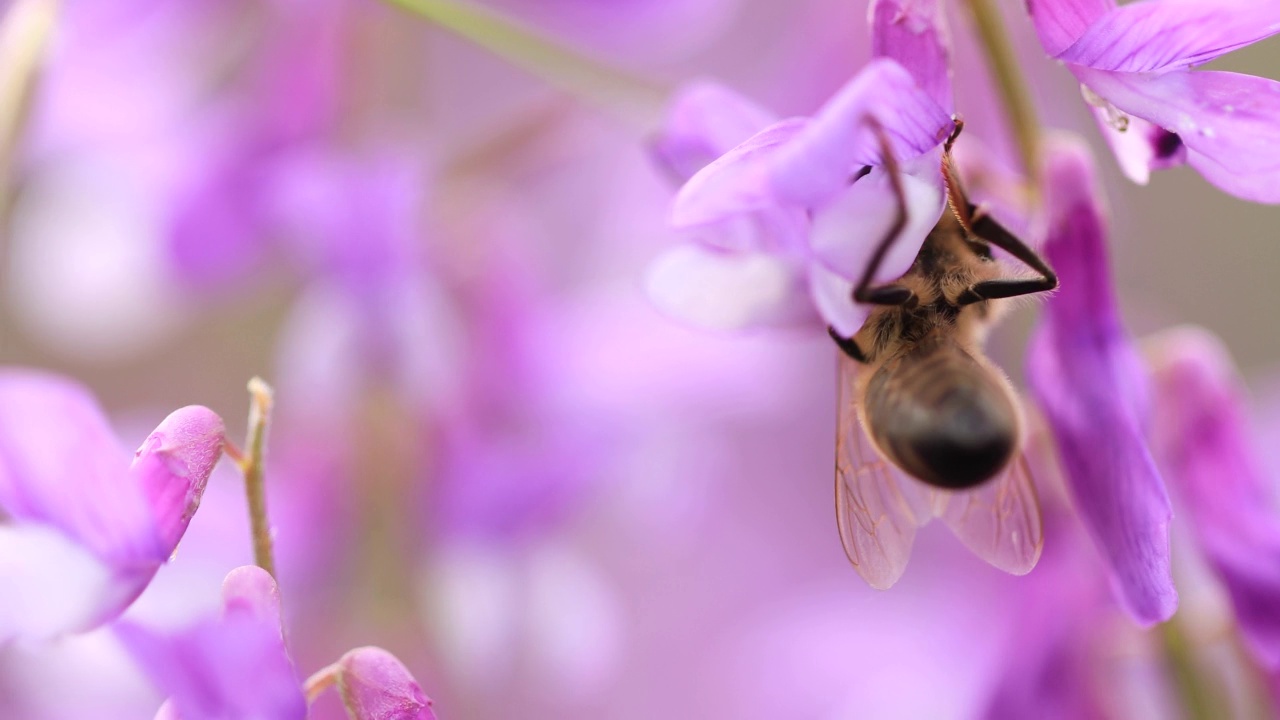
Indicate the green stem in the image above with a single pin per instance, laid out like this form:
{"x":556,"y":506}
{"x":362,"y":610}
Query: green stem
{"x":1012,"y":86}
{"x":1197,"y":695}
{"x":635,"y":98}
{"x":252,"y":465}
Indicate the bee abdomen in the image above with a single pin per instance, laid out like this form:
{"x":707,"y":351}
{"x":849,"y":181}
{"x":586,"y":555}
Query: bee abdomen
{"x":941,"y":416}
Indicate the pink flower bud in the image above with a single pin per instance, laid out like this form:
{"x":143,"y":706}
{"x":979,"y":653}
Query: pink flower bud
{"x":173,"y":465}
{"x":376,"y":686}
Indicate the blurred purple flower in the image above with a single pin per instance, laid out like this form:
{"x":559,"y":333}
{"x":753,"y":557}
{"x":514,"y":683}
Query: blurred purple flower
{"x":234,"y":666}
{"x":377,"y":686}
{"x":1093,"y":390}
{"x":87,"y":531}
{"x":1203,"y":442}
{"x":1134,"y":63}
{"x":782,"y":220}
{"x":237,"y":665}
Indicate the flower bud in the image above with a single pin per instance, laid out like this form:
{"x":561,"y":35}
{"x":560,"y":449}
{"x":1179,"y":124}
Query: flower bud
{"x":376,"y":686}
{"x":173,"y":465}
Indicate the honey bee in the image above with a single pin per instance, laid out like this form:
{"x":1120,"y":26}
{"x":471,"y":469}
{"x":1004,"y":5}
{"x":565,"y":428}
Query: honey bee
{"x":928,"y":426}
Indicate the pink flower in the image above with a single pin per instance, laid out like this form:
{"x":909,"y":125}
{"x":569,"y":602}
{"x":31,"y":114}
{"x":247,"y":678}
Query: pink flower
{"x":88,"y":531}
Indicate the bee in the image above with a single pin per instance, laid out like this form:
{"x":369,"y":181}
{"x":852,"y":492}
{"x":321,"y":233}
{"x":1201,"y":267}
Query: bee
{"x":928,"y":427}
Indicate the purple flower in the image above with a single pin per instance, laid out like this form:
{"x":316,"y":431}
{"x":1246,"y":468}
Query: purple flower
{"x":1134,"y":63}
{"x":1202,"y":439}
{"x":377,"y":686}
{"x":233,"y":666}
{"x":1093,"y":390}
{"x":237,"y":666}
{"x":783,"y":221}
{"x":88,"y":531}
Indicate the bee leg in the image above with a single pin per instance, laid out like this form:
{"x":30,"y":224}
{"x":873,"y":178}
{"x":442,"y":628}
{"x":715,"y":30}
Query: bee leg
{"x":986,"y":228}
{"x":847,"y":345}
{"x":891,"y":294}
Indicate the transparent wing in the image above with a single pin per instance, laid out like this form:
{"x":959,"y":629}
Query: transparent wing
{"x":877,"y":507}
{"x":1000,"y":520}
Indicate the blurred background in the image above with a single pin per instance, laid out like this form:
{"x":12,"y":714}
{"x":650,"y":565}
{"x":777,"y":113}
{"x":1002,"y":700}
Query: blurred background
{"x":489,"y":454}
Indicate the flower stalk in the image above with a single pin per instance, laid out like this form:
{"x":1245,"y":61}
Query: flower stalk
{"x":251,"y":463}
{"x":323,"y":679}
{"x":632,"y":97}
{"x":1012,"y":87}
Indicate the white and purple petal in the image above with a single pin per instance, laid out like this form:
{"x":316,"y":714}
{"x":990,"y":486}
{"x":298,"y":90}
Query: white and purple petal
{"x":1156,"y":36}
{"x":720,"y":290}
{"x":1091,"y":388}
{"x":1227,"y":122}
{"x":824,"y":157}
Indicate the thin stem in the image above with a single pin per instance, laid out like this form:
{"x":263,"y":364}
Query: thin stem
{"x":322,"y":680}
{"x":1011,"y":84}
{"x":633,"y":97}
{"x":1197,"y":695}
{"x":252,"y":465}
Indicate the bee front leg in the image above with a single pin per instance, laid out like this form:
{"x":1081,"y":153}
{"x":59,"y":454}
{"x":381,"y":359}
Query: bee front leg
{"x":892,"y":293}
{"x":848,"y":346}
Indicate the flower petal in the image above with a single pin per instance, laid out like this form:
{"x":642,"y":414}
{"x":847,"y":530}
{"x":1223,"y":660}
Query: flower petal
{"x":734,"y":183}
{"x":235,"y":666}
{"x":1139,"y":147}
{"x":61,"y":465}
{"x":1203,"y":440}
{"x":52,"y":584}
{"x":174,"y":464}
{"x":914,"y":33}
{"x":250,"y":589}
{"x":377,"y":686}
{"x":728,"y":291}
{"x":705,"y":120}
{"x":822,"y":159}
{"x":1152,"y":36}
{"x":833,"y":297}
{"x":1087,"y":380}
{"x":1226,"y":120}
{"x":1059,"y":23}
{"x":847,"y":230}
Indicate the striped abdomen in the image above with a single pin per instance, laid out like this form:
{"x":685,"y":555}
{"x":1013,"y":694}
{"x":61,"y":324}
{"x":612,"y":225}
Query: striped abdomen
{"x":942,"y":415}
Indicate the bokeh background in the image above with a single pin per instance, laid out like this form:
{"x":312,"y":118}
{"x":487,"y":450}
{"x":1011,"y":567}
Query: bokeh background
{"x":490,"y":454}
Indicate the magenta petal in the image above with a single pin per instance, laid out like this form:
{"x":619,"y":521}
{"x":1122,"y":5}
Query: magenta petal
{"x":821,"y":160}
{"x":61,"y":465}
{"x":1059,"y":23}
{"x":734,"y":183}
{"x":376,"y":686}
{"x":914,"y":33}
{"x":1089,"y":384}
{"x":1151,"y":36}
{"x":173,"y":465}
{"x":705,"y":120}
{"x":1227,"y":122}
{"x":1203,"y":439}
{"x":250,"y":589}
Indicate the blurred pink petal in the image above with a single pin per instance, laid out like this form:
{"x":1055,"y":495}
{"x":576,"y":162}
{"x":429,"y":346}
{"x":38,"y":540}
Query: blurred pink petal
{"x":728,"y":291}
{"x":704,"y":121}
{"x":1059,"y":23}
{"x":234,"y":666}
{"x":1089,"y":384}
{"x":1203,"y":440}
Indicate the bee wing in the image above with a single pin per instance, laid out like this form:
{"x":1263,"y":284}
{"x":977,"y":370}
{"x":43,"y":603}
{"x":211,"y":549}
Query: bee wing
{"x":877,"y":507}
{"x":999,"y":520}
